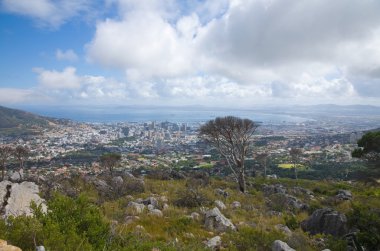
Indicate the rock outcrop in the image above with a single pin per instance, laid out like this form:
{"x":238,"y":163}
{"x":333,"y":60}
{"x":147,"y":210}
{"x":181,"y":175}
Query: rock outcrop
{"x":326,"y":221}
{"x":15,"y":199}
{"x":216,"y":221}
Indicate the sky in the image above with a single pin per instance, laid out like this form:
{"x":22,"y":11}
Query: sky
{"x":226,"y":53}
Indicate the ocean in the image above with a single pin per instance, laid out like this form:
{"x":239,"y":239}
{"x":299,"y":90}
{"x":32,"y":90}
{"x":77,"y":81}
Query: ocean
{"x":159,"y":114}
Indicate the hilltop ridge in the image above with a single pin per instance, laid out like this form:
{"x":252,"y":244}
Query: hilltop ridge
{"x":17,"y":122}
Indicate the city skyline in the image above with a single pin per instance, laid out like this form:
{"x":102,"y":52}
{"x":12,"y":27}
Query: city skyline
{"x":226,"y":53}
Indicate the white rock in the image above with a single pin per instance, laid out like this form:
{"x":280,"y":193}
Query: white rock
{"x":214,"y":243}
{"x":195,"y":216}
{"x":281,"y":246}
{"x":156,"y":212}
{"x":40,"y":248}
{"x":136,"y":207}
{"x":215,"y":220}
{"x":235,"y":205}
{"x":220,"y":204}
{"x":283,"y":229}
{"x":165,"y":206}
{"x":15,"y":177}
{"x":20,"y":198}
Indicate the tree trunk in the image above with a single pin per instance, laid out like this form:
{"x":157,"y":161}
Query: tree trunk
{"x":3,"y":172}
{"x":295,"y":172}
{"x":241,"y":181}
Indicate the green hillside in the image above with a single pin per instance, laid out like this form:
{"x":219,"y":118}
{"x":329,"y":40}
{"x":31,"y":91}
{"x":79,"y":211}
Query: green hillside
{"x":16,"y":122}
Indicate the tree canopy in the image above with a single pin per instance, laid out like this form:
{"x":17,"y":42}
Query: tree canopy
{"x":369,"y":146}
{"x":110,"y":160}
{"x":232,"y":136}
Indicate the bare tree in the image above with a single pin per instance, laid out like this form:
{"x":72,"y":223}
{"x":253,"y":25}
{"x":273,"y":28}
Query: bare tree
{"x":5,"y":154}
{"x":110,"y":160}
{"x":295,"y":155}
{"x":232,"y":136}
{"x":263,"y":159}
{"x":21,"y":153}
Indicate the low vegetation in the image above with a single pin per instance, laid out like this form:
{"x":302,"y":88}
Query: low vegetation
{"x":90,"y":220}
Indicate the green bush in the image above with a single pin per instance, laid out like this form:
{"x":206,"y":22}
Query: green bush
{"x":191,"y":197}
{"x":291,"y":222}
{"x":249,"y":238}
{"x":70,"y":224}
{"x":367,"y":220}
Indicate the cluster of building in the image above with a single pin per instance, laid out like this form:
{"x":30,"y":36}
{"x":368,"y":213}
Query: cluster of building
{"x":169,"y":144}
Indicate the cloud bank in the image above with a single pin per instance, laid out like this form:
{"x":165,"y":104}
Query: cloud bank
{"x":225,"y":52}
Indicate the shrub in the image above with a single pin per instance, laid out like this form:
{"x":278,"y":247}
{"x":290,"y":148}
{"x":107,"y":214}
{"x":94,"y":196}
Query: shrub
{"x":291,"y":221}
{"x":367,"y":220}
{"x":179,"y":225}
{"x":133,"y":186}
{"x":191,"y":197}
{"x":249,"y":238}
{"x":198,"y":179}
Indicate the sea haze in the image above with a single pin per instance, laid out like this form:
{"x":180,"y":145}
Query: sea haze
{"x":142,"y":114}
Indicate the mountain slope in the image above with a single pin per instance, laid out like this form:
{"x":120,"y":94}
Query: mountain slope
{"x":16,"y":122}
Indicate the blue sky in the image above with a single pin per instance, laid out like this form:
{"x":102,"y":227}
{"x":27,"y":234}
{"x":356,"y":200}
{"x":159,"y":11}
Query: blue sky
{"x":213,"y":53}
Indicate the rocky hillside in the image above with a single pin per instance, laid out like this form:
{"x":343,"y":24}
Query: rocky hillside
{"x":192,"y":211}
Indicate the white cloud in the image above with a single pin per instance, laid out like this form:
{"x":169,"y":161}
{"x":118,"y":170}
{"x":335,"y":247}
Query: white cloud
{"x":228,"y":52}
{"x":13,"y":95}
{"x":143,"y":45}
{"x":67,"y":79}
{"x":51,"y":13}
{"x":69,"y":55}
{"x":242,"y":49}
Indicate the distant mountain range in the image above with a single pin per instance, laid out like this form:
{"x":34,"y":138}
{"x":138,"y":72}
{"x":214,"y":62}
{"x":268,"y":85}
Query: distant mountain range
{"x":17,"y":122}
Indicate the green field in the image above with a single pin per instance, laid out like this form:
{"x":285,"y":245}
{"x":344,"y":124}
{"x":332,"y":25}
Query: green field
{"x":288,"y":165}
{"x":206,"y":165}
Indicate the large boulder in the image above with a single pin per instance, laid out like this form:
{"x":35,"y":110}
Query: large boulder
{"x":281,"y":246}
{"x":16,"y":198}
{"x":216,"y":221}
{"x":326,"y":221}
